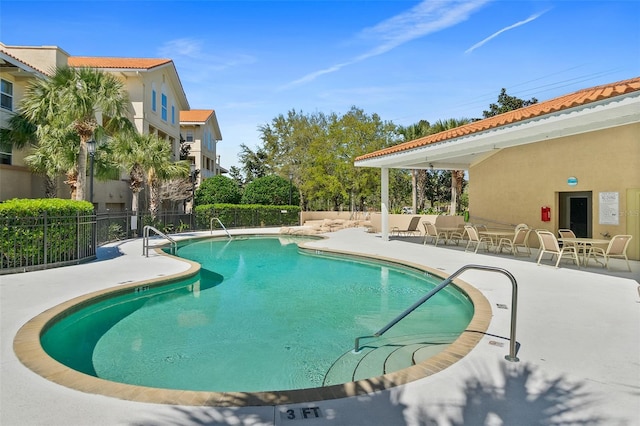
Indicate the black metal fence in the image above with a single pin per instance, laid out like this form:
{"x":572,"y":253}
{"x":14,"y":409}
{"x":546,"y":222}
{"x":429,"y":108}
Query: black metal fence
{"x":114,"y":226}
{"x":42,"y":242}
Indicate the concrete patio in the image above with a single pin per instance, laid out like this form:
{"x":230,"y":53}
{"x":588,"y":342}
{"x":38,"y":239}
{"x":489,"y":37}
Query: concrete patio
{"x":578,"y":332}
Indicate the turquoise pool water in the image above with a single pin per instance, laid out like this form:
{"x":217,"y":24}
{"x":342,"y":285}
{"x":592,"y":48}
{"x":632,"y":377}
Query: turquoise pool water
{"x":259,"y":316}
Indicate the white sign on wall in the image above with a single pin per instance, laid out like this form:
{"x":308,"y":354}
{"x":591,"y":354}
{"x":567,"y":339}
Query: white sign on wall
{"x":609,"y":208}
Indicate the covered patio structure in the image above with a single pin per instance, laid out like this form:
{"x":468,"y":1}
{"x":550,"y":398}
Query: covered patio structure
{"x":576,"y":155}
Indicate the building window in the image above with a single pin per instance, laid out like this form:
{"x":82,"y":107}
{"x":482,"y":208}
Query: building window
{"x":7,"y":94}
{"x":164,"y":107}
{"x":173,"y":114}
{"x":5,"y":157}
{"x":189,"y":135}
{"x":153,"y":98}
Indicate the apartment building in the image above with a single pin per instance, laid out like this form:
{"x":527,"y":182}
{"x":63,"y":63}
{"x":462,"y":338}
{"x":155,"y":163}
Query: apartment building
{"x":200,"y":130}
{"x":156,"y":97}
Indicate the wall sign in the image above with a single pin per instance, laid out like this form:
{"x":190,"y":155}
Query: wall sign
{"x":609,"y":208}
{"x":572,"y":181}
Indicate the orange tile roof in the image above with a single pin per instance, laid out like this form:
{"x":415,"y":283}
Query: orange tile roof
{"x":196,"y":115}
{"x":132,"y":63}
{"x":579,"y":98}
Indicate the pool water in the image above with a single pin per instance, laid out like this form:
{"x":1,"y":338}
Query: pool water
{"x":259,"y":316}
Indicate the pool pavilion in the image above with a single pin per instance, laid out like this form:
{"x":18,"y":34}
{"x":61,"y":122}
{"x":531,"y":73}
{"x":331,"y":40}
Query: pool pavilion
{"x":568,"y":162}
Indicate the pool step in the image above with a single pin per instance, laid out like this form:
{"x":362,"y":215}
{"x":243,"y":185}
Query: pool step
{"x":381,"y":356}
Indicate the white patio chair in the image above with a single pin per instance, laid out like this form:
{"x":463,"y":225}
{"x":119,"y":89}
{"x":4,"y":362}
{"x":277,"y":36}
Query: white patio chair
{"x":617,"y":248}
{"x":430,"y":231}
{"x":549,"y":244}
{"x":475,"y":238}
{"x":520,"y":240}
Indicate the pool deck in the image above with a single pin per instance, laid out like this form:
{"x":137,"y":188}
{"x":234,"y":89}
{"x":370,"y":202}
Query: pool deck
{"x":578,"y":333}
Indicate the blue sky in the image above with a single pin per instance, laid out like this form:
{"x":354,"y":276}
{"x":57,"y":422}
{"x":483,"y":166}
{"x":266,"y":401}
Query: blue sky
{"x":403,"y":60}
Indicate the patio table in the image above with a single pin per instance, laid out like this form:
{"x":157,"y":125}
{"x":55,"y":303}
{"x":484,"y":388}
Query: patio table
{"x":496,"y":234}
{"x":584,"y":243}
{"x":449,"y":231}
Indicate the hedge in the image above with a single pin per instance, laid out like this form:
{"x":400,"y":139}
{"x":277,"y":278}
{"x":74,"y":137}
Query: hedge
{"x":24,"y":224}
{"x":246,"y":215}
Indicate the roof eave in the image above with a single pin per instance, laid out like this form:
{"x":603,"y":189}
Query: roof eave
{"x":611,"y":112}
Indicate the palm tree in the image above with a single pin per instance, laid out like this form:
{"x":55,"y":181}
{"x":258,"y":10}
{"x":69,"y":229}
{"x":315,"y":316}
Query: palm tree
{"x":51,"y":149}
{"x":69,"y":101}
{"x":418,"y":177}
{"x":456,"y":175}
{"x":147,"y":159}
{"x":52,"y":156}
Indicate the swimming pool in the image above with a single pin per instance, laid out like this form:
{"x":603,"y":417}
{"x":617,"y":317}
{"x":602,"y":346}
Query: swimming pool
{"x":232,"y":270}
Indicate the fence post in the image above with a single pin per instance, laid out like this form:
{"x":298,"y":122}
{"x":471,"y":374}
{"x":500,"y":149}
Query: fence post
{"x":46,"y":243}
{"x":94,"y":233}
{"x":78,"y":233}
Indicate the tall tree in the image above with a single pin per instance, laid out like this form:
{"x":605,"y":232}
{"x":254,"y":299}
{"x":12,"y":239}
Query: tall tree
{"x":236,"y":174}
{"x":419,"y":177}
{"x":457,"y":176}
{"x":49,"y":159}
{"x":70,"y":100}
{"x":506,"y":103}
{"x":52,"y":156}
{"x":147,"y":160}
{"x":254,"y":163}
{"x":318,"y":151}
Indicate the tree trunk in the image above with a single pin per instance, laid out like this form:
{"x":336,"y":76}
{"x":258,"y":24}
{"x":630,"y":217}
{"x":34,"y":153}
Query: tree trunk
{"x":154,"y":199}
{"x":50,"y":187}
{"x":421,"y":185}
{"x":81,"y":182}
{"x":134,"y":202}
{"x":414,"y":190}
{"x":454,"y":192}
{"x":72,"y":181}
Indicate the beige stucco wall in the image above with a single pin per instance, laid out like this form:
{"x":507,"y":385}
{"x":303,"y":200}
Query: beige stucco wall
{"x":19,"y":182}
{"x":374,"y":219}
{"x":44,"y":58}
{"x":205,"y":158}
{"x":512,"y":185}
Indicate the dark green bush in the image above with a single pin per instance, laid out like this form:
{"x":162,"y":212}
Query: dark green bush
{"x":270,"y":190}
{"x":244,"y":216}
{"x":24,"y":223}
{"x":218,"y":189}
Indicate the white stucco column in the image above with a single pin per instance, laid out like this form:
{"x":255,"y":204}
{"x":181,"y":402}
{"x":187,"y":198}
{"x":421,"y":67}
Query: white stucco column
{"x":384,"y":200}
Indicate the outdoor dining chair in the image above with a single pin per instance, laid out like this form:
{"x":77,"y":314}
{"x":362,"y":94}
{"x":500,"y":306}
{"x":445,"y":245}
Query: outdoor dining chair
{"x":520,"y":240}
{"x":617,"y":248}
{"x":430,"y":231}
{"x":475,"y":238}
{"x":549,"y":244}
{"x":581,"y":249}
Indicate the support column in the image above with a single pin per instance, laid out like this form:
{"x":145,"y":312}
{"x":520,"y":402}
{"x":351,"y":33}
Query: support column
{"x":384,"y":201}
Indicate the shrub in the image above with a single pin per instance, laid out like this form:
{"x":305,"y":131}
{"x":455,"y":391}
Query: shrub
{"x":24,"y":224}
{"x":242,"y":215}
{"x":218,"y":189}
{"x":270,"y":190}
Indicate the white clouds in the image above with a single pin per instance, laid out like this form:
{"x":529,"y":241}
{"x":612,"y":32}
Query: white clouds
{"x":423,"y":19}
{"x":195,"y":64}
{"x":510,"y":27}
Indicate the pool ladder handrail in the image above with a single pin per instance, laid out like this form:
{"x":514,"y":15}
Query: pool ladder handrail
{"x":514,"y":307}
{"x":221,"y":224}
{"x":145,"y":240}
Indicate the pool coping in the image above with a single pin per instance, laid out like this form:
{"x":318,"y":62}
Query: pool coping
{"x":29,"y":351}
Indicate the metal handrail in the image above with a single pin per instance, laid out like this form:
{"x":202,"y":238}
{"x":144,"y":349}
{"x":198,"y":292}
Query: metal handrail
{"x":221,"y":224}
{"x":514,"y":307}
{"x":145,"y":240}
